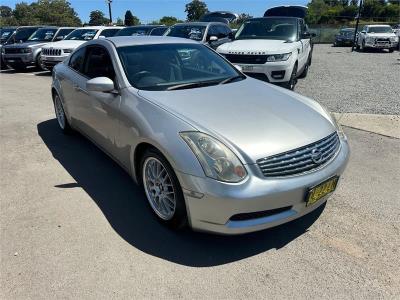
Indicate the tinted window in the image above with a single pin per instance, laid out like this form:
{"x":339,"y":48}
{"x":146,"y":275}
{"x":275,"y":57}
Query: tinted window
{"x":109,"y":32}
{"x":82,"y":34}
{"x":77,"y":59}
{"x":221,"y":32}
{"x":43,"y":34}
{"x":24,"y":33}
{"x":380,"y":29}
{"x":159,"y":31}
{"x":5,"y":34}
{"x":187,"y":31}
{"x":269,"y":29}
{"x":169,"y":66}
{"x":98,"y":63}
{"x":135,"y":31}
{"x":64,"y":32}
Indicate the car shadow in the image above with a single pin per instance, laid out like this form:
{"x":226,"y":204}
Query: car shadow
{"x":125,"y":207}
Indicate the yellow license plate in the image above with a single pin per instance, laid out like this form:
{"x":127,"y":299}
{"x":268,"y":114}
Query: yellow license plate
{"x":321,"y":190}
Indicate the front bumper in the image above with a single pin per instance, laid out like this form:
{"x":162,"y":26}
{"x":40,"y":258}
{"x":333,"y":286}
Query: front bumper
{"x":25,"y":59}
{"x":274,"y":72}
{"x":213,"y":211}
{"x":380,"y":45}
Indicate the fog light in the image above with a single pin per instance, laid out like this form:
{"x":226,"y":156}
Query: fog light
{"x":278,"y":74}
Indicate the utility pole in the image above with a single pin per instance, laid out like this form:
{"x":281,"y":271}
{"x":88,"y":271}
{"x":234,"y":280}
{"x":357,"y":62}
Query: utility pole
{"x":109,"y":10}
{"x":358,"y":21}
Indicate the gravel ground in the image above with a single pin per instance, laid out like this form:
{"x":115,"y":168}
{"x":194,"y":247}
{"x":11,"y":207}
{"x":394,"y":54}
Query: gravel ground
{"x":346,"y":81}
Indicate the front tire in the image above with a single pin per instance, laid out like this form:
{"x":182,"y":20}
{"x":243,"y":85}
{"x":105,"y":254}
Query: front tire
{"x":39,"y":64}
{"x":60,"y":115}
{"x":163,"y":191}
{"x":391,"y":50}
{"x":293,"y":79}
{"x":363,"y":46}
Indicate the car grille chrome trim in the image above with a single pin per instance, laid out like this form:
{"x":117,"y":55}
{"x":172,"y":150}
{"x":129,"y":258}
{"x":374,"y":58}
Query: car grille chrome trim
{"x":300,"y":161}
{"x":51,"y":52}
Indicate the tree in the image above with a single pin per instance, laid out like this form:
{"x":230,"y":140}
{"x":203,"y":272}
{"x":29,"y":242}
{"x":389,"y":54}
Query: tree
{"x":5,"y":11}
{"x":120,"y":22}
{"x":195,"y":10}
{"x":130,"y":19}
{"x":45,"y":12}
{"x":169,"y":21}
{"x":242,"y":18}
{"x":97,"y":18}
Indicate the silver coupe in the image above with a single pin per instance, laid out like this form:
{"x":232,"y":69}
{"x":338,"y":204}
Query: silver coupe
{"x":213,"y":149}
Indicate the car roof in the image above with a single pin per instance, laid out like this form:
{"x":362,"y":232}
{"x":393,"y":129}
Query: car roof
{"x":198,"y":23}
{"x":123,"y":41}
{"x":101,"y":27}
{"x":145,"y":26}
{"x":261,"y":18}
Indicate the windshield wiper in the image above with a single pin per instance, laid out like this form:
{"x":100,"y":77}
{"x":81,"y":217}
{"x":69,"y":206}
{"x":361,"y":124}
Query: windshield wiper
{"x":230,"y":79}
{"x":191,"y":85}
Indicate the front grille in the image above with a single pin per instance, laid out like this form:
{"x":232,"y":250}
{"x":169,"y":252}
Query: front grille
{"x":247,"y":59}
{"x":13,"y":50}
{"x":301,"y":160}
{"x":382,"y":41}
{"x":51,"y":52}
{"x":259,"y":76}
{"x":259,"y":214}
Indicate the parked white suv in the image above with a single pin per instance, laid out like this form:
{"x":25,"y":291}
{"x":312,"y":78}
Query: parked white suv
{"x":378,"y":37}
{"x":54,"y":53}
{"x":276,"y":48}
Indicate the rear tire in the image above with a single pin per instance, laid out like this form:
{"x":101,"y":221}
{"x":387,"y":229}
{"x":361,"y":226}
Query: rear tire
{"x":60,"y":115}
{"x":163,"y":191}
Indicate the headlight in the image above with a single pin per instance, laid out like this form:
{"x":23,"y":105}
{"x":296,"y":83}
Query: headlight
{"x":279,"y":57}
{"x":394,"y":39}
{"x":217,"y":161}
{"x":26,"y":50}
{"x":68,"y":50}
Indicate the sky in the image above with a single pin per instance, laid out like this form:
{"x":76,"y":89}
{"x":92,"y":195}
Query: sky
{"x":149,"y":10}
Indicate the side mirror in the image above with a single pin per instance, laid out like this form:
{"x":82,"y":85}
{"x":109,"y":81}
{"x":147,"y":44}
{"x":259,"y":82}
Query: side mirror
{"x":239,"y":68}
{"x":100,"y":84}
{"x":213,"y":38}
{"x":363,"y":31}
{"x":102,"y":37}
{"x":305,"y":35}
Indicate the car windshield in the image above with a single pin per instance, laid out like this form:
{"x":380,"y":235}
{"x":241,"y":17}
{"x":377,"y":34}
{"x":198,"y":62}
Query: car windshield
{"x":187,"y":31}
{"x":175,"y":66}
{"x":268,"y":29}
{"x":81,"y":34}
{"x":43,"y":34}
{"x":380,"y":29}
{"x":5,"y":34}
{"x":347,"y":32}
{"x":135,"y":31}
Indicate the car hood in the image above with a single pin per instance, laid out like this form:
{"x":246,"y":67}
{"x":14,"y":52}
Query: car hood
{"x":68,"y":44}
{"x":30,"y":44}
{"x":379,"y":35}
{"x":254,"y":118}
{"x":251,"y":46}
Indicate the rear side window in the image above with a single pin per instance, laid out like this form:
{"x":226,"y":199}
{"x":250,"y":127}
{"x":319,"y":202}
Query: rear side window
{"x":158,"y":31}
{"x":109,"y":32}
{"x":77,"y":60}
{"x":98,"y":63}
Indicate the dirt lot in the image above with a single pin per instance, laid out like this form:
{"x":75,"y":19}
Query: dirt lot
{"x":73,"y":224}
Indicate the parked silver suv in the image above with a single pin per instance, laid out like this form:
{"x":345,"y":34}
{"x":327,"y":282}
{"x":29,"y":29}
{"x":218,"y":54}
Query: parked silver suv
{"x":20,"y":55}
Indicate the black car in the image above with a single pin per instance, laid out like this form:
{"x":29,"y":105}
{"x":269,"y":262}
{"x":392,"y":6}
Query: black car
{"x":345,"y":37}
{"x":5,"y":35}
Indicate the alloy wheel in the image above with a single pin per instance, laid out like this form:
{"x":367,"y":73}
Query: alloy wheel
{"x":59,"y":112}
{"x":159,"y":188}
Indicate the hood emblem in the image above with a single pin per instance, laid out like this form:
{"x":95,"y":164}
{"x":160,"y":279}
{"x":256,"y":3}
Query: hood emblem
{"x":316,"y":155}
